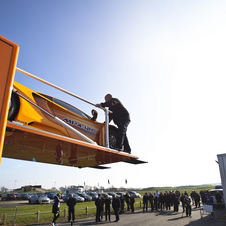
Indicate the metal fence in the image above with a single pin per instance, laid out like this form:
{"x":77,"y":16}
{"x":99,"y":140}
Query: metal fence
{"x":8,"y":214}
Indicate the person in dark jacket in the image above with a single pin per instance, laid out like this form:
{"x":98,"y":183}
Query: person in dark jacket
{"x":132,"y":201}
{"x":98,"y":203}
{"x":102,"y":207}
{"x":127,"y":198}
{"x":182,"y":199}
{"x":151,"y":198}
{"x":145,"y":202}
{"x":71,"y":202}
{"x":161,"y":201}
{"x":218,"y":197}
{"x":167,"y":200}
{"x":197,"y":200}
{"x":116,"y":205}
{"x":121,"y":118}
{"x":155,"y":201}
{"x":176,"y":202}
{"x":122,"y":200}
{"x":56,"y":208}
{"x":107,"y":203}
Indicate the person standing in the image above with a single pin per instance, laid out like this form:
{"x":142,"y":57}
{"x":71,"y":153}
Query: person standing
{"x":127,"y":198}
{"x":218,"y":197}
{"x":71,"y":202}
{"x":132,"y":201}
{"x":107,"y":203}
{"x":197,"y":200}
{"x":56,"y":209}
{"x":122,"y":200}
{"x":176,"y":202}
{"x":188,"y":206}
{"x":151,"y":198}
{"x":102,"y":207}
{"x":145,"y":202}
{"x":121,"y":118}
{"x":98,"y":203}
{"x":182,"y":199}
{"x":155,"y":201}
{"x":116,"y":206}
{"x":161,"y":201}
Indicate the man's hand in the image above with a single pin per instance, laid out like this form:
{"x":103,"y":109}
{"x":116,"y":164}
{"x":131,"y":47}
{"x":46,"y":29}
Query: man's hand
{"x":98,"y":105}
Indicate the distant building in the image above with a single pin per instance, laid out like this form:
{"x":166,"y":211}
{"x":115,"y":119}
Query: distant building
{"x":74,"y":189}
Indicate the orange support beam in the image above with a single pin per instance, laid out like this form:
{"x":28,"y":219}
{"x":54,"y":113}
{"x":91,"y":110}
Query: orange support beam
{"x":8,"y":60}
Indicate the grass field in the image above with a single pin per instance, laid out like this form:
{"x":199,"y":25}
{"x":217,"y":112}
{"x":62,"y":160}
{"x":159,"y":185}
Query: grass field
{"x":27,"y":215}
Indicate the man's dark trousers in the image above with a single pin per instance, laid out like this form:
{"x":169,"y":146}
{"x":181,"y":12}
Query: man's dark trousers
{"x":116,"y":211}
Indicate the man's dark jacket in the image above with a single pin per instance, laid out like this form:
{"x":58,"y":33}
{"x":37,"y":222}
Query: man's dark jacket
{"x":116,"y":204}
{"x":71,"y":202}
{"x":119,"y":111}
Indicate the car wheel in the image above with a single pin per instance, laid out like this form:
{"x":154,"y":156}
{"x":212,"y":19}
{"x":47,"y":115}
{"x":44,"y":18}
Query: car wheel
{"x":112,"y":137}
{"x":14,"y":107}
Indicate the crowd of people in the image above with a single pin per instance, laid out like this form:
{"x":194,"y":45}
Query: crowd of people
{"x":118,"y":204}
{"x":157,"y":201}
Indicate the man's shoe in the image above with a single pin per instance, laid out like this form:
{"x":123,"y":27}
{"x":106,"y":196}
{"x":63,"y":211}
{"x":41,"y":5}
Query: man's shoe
{"x":118,"y":149}
{"x":127,"y":151}
{"x":52,"y":223}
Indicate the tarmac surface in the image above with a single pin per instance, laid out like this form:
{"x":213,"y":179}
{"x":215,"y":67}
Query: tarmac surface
{"x":159,"y":218}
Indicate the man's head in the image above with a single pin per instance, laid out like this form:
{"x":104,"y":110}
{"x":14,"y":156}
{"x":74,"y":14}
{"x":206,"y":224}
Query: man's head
{"x":108,"y":97}
{"x":71,"y":195}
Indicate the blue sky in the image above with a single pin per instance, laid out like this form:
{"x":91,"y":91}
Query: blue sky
{"x":165,"y":60}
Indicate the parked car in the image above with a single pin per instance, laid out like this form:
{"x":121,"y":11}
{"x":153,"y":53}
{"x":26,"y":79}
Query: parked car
{"x":20,"y":196}
{"x":85,"y":196}
{"x":218,"y":186}
{"x":39,"y":198}
{"x":27,"y":196}
{"x":213,"y":192}
{"x":13,"y":196}
{"x":94,"y":195}
{"x":105,"y":194}
{"x":5,"y":197}
{"x":51,"y":195}
{"x":119,"y":193}
{"x":135,"y":194}
{"x":113,"y":193}
{"x":75,"y":196}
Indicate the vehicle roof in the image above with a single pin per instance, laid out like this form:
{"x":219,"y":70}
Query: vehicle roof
{"x":219,"y":189}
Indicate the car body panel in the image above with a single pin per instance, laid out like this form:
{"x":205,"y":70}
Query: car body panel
{"x":28,"y":114}
{"x":22,"y":142}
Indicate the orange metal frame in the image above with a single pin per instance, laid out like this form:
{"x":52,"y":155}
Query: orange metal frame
{"x":8,"y":59}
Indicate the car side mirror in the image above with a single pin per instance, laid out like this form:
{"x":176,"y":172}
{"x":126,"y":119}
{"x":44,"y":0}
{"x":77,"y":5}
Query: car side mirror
{"x":94,"y":114}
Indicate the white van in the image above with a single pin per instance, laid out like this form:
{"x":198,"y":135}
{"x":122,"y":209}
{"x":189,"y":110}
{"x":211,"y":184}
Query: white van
{"x":213,"y":192}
